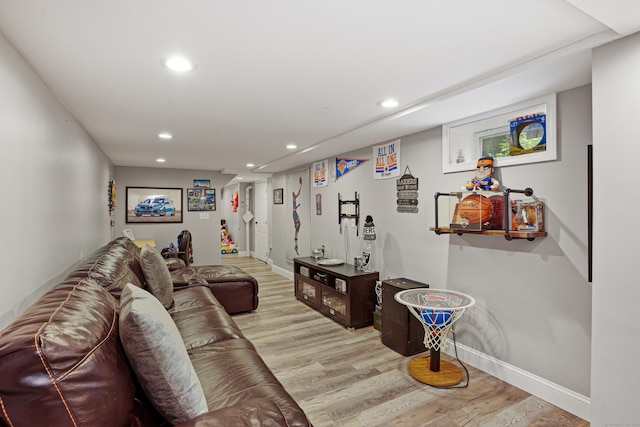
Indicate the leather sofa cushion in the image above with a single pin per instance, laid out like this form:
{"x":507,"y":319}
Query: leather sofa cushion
{"x":157,"y":275}
{"x":234,"y":288}
{"x":158,"y":356}
{"x":175,"y":264}
{"x":61,"y":360}
{"x":251,"y":378}
{"x":212,"y":274}
{"x":263,"y":411}
{"x":112,"y":269}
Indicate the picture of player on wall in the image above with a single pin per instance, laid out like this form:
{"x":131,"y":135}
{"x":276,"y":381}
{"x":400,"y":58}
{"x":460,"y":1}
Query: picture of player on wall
{"x":296,"y":217}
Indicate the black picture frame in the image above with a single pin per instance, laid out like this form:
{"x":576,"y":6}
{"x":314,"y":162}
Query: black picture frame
{"x":201,"y":199}
{"x":153,"y":205}
{"x":278,"y":196}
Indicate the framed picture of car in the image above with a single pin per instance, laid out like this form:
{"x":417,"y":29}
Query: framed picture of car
{"x":201,"y":199}
{"x":154,"y":205}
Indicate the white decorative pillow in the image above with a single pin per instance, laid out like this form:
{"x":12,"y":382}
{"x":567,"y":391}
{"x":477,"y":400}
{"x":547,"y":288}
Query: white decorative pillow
{"x":157,"y":275}
{"x":157,"y":354}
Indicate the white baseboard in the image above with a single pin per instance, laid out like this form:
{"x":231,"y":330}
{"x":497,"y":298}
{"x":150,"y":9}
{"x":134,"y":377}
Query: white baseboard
{"x":281,"y":271}
{"x":555,"y":394}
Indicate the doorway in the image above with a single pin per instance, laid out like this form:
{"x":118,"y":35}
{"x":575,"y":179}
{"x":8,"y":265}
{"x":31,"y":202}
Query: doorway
{"x":261,"y":230}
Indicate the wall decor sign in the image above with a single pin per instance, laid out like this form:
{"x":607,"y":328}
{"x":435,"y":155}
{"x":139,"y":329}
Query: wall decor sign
{"x":407,"y":193}
{"x":278,"y":196}
{"x":344,"y":165}
{"x":153,"y":205}
{"x":320,"y":173}
{"x":111,"y":190}
{"x":201,"y":199}
{"x":201,"y":183}
{"x":387,"y":157}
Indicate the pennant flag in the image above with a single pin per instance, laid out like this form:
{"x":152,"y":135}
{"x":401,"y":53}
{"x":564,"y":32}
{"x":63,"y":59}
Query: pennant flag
{"x":344,"y":166}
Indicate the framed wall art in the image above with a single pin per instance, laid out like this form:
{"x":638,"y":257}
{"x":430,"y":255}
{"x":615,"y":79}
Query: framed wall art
{"x":202,"y":183}
{"x":201,"y":199}
{"x":154,"y":205}
{"x":278,"y":198}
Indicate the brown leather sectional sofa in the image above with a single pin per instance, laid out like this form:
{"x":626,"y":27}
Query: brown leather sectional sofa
{"x":236,"y":290}
{"x":62,"y":362}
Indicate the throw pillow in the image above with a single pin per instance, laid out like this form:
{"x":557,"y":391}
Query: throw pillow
{"x":157,"y":275}
{"x":158,"y":356}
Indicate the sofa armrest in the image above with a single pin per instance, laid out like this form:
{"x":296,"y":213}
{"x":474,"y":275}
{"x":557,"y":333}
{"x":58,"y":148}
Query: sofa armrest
{"x":175,"y":264}
{"x":254,"y":412}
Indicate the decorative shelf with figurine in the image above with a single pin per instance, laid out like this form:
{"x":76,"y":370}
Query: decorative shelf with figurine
{"x":482,"y":209}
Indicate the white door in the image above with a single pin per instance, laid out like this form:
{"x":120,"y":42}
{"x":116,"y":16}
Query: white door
{"x":261,"y":236}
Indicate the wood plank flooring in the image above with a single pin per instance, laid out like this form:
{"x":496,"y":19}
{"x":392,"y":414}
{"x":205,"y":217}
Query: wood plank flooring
{"x":349,"y":378}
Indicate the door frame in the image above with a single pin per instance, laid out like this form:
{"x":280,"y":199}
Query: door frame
{"x":262,"y":254}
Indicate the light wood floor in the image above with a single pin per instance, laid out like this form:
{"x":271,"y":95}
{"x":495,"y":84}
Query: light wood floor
{"x":349,"y":378}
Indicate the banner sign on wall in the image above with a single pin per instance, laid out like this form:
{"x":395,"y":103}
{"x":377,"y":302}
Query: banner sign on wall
{"x":407,"y":187}
{"x":344,"y":166}
{"x":320,"y":173}
{"x":387,"y":158}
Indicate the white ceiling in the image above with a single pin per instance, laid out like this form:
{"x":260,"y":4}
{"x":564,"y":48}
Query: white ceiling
{"x":270,"y":73}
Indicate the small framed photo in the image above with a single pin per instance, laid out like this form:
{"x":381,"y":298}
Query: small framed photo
{"x":278,"y":198}
{"x":201,"y":183}
{"x":201,"y":199}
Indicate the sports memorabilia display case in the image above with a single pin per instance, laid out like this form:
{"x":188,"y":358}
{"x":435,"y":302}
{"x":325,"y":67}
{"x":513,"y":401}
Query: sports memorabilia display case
{"x":514,"y":214}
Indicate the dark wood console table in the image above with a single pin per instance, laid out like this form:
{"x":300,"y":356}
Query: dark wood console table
{"x":340,"y":292}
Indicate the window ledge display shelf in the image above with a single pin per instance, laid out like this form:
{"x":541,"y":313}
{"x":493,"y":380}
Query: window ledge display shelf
{"x":505,"y":231}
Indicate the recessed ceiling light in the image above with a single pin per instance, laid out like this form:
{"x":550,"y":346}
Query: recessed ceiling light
{"x":177,"y":63}
{"x":160,"y":160}
{"x":239,"y":177}
{"x":250,"y":165}
{"x":165,"y":135}
{"x":388,"y":103}
{"x":292,"y":146}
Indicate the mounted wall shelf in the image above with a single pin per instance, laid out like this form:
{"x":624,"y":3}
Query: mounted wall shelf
{"x":509,"y":235}
{"x":491,"y":214}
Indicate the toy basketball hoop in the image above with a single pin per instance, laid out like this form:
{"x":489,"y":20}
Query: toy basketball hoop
{"x":437,"y":310}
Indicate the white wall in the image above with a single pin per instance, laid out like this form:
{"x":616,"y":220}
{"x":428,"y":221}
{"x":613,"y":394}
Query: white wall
{"x":54,"y":184}
{"x":205,"y":232}
{"x":616,"y":294}
{"x":533,"y":307}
